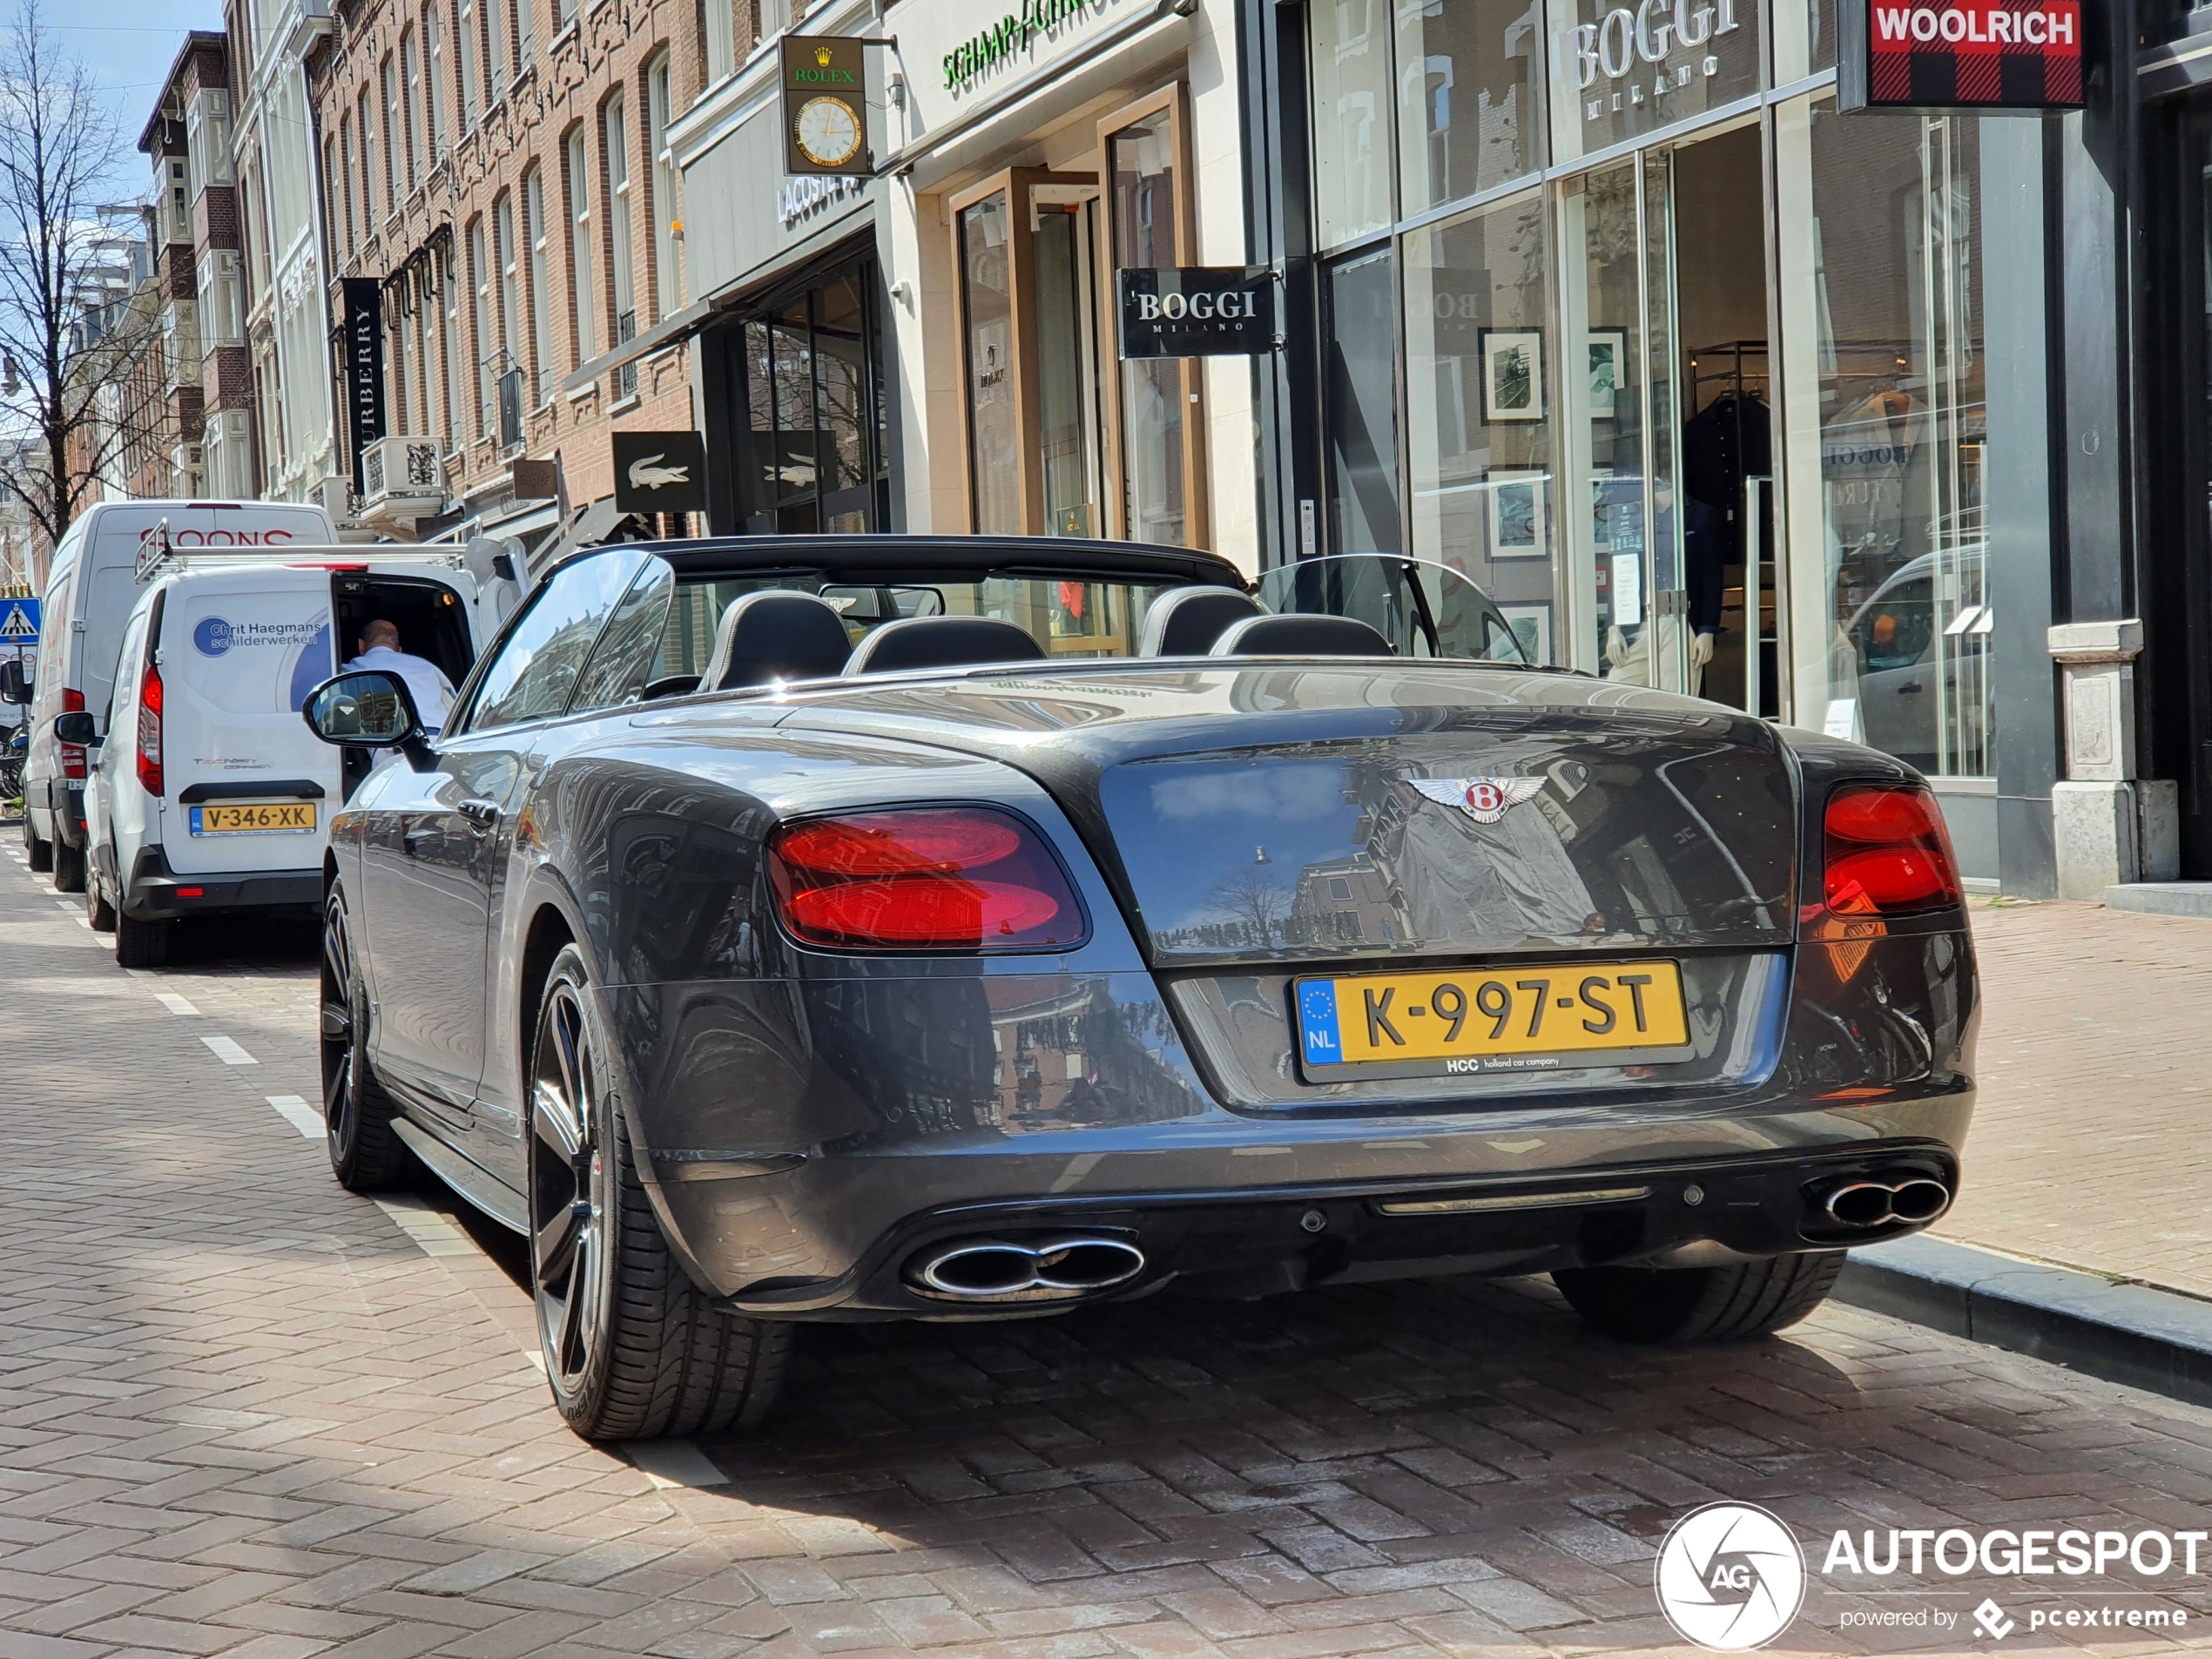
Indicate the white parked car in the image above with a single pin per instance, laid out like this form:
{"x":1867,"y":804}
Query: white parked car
{"x":98,"y":572}
{"x":209,"y":793}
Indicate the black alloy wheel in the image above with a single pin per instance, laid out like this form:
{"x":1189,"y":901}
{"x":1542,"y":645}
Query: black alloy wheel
{"x":568,"y":1192}
{"x":365,"y":1153}
{"x":633,"y":1349}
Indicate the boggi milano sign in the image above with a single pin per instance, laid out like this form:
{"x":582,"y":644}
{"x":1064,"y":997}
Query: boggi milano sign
{"x":1637,"y":67}
{"x":1989,"y":56}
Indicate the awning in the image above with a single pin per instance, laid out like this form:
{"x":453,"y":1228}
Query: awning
{"x":676,"y":325}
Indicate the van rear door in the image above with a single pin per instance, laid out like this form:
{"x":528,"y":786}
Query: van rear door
{"x":248,"y":786}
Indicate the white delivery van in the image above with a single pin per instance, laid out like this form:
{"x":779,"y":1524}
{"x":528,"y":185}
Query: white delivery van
{"x":98,"y":572}
{"x":211,"y":795}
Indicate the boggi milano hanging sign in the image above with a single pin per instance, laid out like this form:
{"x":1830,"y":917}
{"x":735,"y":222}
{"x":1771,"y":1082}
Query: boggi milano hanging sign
{"x":1634,"y":68}
{"x":1984,"y":56}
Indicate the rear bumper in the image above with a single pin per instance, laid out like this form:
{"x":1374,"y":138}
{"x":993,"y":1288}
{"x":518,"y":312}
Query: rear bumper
{"x":157,"y":894}
{"x":1271,"y":1236}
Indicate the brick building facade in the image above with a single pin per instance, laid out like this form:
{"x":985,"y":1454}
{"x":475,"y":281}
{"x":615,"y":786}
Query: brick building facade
{"x":499,"y":169}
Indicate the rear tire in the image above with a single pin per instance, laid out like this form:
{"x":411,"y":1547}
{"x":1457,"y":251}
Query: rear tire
{"x":632,"y":1348}
{"x":365,"y":1153}
{"x":99,"y":915}
{"x":68,"y":867}
{"x":141,"y":944}
{"x":1683,"y":1306}
{"x":42,"y":853}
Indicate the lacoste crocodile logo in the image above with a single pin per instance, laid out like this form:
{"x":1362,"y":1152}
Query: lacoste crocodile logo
{"x":645,"y":473}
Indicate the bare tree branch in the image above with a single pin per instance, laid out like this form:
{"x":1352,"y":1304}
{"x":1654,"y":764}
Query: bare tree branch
{"x":69,"y":333}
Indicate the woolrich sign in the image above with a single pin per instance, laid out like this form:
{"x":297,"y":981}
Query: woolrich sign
{"x":1987,"y":54}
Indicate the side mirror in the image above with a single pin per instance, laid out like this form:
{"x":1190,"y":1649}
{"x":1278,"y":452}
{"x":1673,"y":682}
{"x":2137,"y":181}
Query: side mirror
{"x":77,"y":728}
{"x":367,"y":710}
{"x":15,"y":684}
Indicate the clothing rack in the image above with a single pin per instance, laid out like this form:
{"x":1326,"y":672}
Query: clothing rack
{"x":1731,"y":373}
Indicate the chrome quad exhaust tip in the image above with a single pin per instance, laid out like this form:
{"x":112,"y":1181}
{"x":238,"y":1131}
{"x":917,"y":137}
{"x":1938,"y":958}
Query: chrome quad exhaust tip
{"x":1026,"y":1270}
{"x":1877,"y":1201}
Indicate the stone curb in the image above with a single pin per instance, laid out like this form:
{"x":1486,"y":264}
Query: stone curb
{"x":2124,"y":1333}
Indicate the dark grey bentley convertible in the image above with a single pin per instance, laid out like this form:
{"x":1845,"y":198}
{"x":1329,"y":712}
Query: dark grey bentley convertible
{"x":865,"y":928}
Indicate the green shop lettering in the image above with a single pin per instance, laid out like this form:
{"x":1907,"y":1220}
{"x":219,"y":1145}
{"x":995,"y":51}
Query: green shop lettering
{"x":1010,"y":34}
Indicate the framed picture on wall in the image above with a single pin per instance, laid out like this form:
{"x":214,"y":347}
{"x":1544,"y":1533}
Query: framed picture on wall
{"x":1513,"y":375}
{"x":1532,"y":626}
{"x":1608,"y":349}
{"x":1518,"y":511}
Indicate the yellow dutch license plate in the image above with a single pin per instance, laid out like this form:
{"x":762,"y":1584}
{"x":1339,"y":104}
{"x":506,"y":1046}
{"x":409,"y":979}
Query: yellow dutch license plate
{"x":1492,"y":1019}
{"x":253,"y":816}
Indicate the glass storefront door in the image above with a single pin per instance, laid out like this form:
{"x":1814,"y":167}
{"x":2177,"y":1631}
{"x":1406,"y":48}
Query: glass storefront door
{"x":1025,"y":242}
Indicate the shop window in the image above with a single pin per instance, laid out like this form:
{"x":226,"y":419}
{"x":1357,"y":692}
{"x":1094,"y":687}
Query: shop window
{"x":1360,"y":412}
{"x":1891,"y":640}
{"x":1481,"y":473}
{"x":809,"y":377}
{"x":1027,"y":258}
{"x":1349,"y":47}
{"x":1469,"y":98}
{"x":1154,"y":421}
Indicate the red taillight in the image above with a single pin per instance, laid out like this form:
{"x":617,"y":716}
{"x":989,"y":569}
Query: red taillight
{"x":1888,"y":853}
{"x":150,"y":731}
{"x":923,"y":878}
{"x":192,"y":892}
{"x":72,"y":754}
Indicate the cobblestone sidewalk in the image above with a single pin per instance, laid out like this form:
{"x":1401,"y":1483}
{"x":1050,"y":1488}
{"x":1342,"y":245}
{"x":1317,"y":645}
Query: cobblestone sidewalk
{"x":2091,"y":1145}
{"x":245,"y":1412}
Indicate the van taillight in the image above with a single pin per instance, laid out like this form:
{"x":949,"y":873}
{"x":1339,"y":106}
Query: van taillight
{"x":150,"y":731}
{"x":72,"y":754}
{"x":1888,"y":852}
{"x":923,"y":878}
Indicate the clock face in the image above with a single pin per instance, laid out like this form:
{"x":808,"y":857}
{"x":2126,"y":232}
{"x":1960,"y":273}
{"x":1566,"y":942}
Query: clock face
{"x":827,"y":131}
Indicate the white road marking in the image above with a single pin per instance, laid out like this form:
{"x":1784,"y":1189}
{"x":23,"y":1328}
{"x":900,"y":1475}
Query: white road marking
{"x":176,"y":1004}
{"x":297,"y":1113}
{"x":436,"y":1232}
{"x":228,"y":1052}
{"x":674,"y":1463}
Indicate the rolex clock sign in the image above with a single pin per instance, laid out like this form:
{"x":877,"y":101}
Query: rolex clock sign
{"x":825,"y":105}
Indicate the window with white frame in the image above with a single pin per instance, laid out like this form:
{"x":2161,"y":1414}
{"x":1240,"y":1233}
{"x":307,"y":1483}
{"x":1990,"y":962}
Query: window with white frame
{"x":580,"y":250}
{"x":433,"y":78}
{"x":222,"y":299}
{"x":481,"y":344}
{"x":465,"y":38}
{"x":207,"y":139}
{"x":451,"y":345}
{"x":173,"y":191}
{"x":506,"y":262}
{"x":718,"y":23}
{"x":539,"y":237}
{"x":619,"y":210}
{"x":498,"y":21}
{"x":411,"y":91}
{"x":366,"y":125}
{"x":668,"y":275}
{"x":339,"y":172}
{"x":394,"y":137}
{"x":525,"y":34}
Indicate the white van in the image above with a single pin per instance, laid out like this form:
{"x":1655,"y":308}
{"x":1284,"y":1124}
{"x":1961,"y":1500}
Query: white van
{"x":209,"y":793}
{"x":96,"y":577}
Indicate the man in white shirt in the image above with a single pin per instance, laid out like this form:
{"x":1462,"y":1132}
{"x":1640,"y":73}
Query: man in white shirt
{"x":432,"y":691}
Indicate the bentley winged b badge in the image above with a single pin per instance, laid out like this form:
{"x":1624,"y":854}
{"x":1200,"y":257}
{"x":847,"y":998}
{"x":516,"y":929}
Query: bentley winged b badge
{"x":1483,"y":799}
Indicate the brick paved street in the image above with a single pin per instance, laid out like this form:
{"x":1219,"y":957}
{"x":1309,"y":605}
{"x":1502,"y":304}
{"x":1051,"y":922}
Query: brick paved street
{"x":246,"y":1413}
{"x":2089,"y":1145}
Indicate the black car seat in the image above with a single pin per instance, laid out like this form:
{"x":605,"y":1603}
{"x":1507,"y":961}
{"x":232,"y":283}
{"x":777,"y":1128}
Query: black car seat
{"x":775,"y":636}
{"x":942,"y":642}
{"x":1301,"y":635}
{"x":1184,"y":622}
